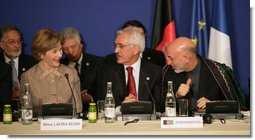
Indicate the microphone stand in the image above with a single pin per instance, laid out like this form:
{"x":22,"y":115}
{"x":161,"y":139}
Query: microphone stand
{"x":67,"y":78}
{"x":153,"y":117}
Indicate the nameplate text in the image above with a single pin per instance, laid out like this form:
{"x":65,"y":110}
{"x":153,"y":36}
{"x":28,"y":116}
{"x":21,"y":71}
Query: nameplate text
{"x":61,"y":124}
{"x":181,"y":122}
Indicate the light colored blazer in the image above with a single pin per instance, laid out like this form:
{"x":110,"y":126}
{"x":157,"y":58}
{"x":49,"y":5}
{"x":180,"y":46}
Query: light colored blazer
{"x":52,"y":88}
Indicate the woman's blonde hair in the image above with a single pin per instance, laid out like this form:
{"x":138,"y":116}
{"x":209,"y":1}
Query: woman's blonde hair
{"x":45,"y":40}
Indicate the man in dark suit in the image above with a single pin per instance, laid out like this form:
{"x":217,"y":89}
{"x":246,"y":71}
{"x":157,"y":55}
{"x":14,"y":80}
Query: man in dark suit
{"x":196,"y":78}
{"x":11,"y":45}
{"x":5,"y":86}
{"x":148,"y":54}
{"x":129,"y":45}
{"x":87,"y":65}
{"x":25,"y":62}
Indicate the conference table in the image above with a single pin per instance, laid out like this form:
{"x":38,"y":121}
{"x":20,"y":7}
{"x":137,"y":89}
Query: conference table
{"x":153,"y":127}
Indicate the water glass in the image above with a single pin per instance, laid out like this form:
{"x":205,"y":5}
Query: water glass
{"x":100,"y":109}
{"x":183,"y":107}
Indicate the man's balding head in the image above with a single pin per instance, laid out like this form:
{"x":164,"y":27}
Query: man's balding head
{"x":182,"y":44}
{"x":181,"y":54}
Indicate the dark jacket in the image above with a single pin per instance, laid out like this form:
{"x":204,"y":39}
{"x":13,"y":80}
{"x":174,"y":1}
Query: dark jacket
{"x":149,"y":83}
{"x":5,"y":85}
{"x":90,"y":67}
{"x":209,"y":86}
{"x":25,"y":62}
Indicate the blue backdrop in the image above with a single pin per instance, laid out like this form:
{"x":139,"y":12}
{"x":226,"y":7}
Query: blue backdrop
{"x":98,"y":21}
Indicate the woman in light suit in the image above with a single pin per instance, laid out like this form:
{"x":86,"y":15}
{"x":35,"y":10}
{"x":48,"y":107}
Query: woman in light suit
{"x":49,"y":79}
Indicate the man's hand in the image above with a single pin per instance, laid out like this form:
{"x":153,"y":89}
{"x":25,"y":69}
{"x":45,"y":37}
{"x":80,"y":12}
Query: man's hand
{"x":130,"y":98}
{"x":201,"y":103}
{"x":16,"y":94}
{"x":183,"y":89}
{"x":86,"y":97}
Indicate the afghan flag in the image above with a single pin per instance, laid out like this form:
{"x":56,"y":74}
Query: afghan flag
{"x":163,"y":28}
{"x":219,"y":44}
{"x":199,"y":28}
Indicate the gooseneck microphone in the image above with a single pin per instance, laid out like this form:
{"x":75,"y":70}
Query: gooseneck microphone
{"x":153,"y":101}
{"x":67,"y":78}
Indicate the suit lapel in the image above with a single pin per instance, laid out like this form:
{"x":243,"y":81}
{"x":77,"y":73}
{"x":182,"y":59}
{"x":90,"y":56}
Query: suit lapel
{"x":85,"y":63}
{"x":117,"y":76}
{"x":122,"y":79}
{"x":144,"y":78}
{"x":21,"y":65}
{"x":203,"y":86}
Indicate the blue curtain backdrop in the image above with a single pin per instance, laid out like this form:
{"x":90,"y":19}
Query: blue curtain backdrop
{"x":98,"y":21}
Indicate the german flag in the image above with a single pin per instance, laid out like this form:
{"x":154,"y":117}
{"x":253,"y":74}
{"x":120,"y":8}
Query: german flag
{"x":163,"y":28}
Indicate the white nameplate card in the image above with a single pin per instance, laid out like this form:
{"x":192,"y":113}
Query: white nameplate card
{"x":61,"y":124}
{"x":181,"y":122}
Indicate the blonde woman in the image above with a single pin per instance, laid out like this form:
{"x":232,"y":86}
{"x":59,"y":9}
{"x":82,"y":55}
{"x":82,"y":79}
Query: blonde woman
{"x":49,"y":79}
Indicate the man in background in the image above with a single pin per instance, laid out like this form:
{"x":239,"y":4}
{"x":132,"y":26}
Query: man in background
{"x":11,"y":44}
{"x":87,"y":65}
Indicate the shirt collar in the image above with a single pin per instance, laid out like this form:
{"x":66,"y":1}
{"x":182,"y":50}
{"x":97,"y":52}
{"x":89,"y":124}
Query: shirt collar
{"x":135,"y":66}
{"x":71,"y":63}
{"x":47,"y":72}
{"x":7,"y":59}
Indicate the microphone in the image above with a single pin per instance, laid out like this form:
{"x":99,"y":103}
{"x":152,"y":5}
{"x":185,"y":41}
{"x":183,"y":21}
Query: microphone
{"x":67,"y":78}
{"x":153,"y":101}
{"x":164,"y":70}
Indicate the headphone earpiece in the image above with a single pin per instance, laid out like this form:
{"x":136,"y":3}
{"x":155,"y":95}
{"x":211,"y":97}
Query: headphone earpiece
{"x":207,"y":118}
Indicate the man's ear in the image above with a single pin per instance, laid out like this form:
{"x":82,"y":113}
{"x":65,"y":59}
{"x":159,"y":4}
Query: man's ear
{"x":136,"y":49}
{"x":186,"y":55}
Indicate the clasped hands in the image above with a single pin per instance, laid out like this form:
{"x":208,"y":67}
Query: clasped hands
{"x":183,"y":91}
{"x":130,"y":98}
{"x":16,"y":93}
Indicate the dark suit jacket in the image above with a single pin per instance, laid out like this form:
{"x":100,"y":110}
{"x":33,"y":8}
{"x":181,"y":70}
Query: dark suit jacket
{"x":25,"y":62}
{"x":149,"y":83}
{"x":89,"y":70}
{"x":208,"y":86}
{"x":149,"y":54}
{"x":5,"y":85}
{"x":90,"y":67}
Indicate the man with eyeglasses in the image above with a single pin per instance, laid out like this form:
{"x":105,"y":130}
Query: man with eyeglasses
{"x":133,"y":78}
{"x":148,"y":54}
{"x":87,"y":65}
{"x":11,"y":44}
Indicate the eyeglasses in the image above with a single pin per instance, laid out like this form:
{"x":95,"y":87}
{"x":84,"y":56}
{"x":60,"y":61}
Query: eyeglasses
{"x":121,"y":46}
{"x":12,"y":42}
{"x":133,"y":121}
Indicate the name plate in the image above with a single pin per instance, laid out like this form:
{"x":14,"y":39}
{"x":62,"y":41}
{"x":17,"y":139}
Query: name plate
{"x":181,"y":122}
{"x":61,"y":124}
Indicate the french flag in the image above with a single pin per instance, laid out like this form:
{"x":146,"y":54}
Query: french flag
{"x":219,"y":43}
